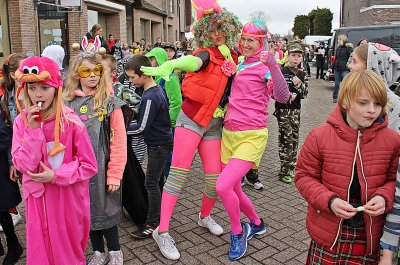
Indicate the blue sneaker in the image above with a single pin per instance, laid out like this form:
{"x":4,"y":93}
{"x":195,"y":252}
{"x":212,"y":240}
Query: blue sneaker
{"x":256,"y":229}
{"x":239,"y":243}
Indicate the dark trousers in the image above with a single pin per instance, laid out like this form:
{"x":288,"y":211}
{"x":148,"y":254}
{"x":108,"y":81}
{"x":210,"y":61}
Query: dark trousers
{"x":169,"y":161}
{"x":111,"y":236}
{"x":307,"y":65}
{"x":320,"y":69}
{"x":8,"y":228}
{"x":339,"y":75}
{"x":157,"y":158}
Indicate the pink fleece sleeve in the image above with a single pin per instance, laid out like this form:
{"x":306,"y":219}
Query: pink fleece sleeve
{"x":27,"y":146}
{"x":118,"y":151}
{"x":83,"y":165}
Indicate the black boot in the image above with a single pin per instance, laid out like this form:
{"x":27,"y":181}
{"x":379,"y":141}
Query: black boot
{"x":13,"y":254}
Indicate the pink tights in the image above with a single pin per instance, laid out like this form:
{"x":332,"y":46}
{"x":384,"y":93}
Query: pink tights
{"x":230,"y":191}
{"x":185,"y":144}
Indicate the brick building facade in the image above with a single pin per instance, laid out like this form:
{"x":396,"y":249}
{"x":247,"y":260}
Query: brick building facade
{"x":168,"y":19}
{"x":27,"y":26}
{"x":369,"y":12}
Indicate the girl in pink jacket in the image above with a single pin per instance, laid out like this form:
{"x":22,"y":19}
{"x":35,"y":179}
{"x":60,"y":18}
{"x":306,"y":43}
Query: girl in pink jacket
{"x":52,"y":149}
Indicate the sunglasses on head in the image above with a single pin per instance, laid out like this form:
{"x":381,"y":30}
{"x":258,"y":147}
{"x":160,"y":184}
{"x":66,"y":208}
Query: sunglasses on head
{"x":84,"y":71}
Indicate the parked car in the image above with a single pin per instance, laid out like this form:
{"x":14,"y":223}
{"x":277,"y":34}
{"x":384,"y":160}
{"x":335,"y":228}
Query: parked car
{"x":388,"y":35}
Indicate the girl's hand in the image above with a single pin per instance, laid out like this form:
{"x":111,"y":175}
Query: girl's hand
{"x":111,"y":188}
{"x":46,"y":176}
{"x":33,"y":113}
{"x":343,"y":209}
{"x":375,"y":206}
{"x":13,"y":173}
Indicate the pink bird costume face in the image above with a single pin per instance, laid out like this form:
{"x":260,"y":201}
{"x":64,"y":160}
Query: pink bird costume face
{"x":44,"y":70}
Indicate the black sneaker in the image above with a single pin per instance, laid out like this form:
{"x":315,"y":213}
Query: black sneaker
{"x":145,"y":232}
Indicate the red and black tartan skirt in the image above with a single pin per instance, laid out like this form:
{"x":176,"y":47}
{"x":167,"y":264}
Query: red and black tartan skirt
{"x":348,"y":250}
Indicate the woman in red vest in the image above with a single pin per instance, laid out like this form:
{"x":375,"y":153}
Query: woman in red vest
{"x":199,"y":124}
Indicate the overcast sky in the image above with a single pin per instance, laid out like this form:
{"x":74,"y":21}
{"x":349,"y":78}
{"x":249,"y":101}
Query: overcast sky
{"x":280,"y":13}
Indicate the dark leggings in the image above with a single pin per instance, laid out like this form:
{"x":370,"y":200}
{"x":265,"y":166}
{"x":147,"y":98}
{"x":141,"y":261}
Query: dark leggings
{"x":8,"y":228}
{"x":111,"y":236}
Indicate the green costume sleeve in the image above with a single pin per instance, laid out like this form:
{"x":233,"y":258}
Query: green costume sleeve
{"x":187,"y":63}
{"x":173,"y":90}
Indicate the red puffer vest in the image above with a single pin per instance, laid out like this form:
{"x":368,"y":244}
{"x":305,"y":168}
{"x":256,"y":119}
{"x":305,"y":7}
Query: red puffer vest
{"x":203,"y":90}
{"x":325,"y":168}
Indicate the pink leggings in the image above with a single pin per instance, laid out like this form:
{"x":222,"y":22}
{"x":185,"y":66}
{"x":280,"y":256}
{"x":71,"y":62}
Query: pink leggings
{"x":185,"y":144}
{"x":230,"y":191}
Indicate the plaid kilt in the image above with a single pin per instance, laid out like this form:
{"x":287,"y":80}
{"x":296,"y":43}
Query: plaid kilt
{"x":348,"y":250}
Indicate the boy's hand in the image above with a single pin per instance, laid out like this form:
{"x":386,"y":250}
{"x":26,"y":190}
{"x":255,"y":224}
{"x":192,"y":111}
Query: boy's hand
{"x":13,"y":173}
{"x":292,"y":97}
{"x":296,"y":80}
{"x":162,"y":71}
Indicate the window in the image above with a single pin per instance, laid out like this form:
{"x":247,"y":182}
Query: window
{"x":171,"y":6}
{"x":143,"y":28}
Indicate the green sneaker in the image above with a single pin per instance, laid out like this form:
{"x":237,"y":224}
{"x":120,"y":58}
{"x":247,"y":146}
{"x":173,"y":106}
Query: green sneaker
{"x":286,"y":179}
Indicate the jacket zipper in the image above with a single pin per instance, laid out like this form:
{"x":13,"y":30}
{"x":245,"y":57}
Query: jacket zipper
{"x":348,"y":188}
{"x":366,"y":186}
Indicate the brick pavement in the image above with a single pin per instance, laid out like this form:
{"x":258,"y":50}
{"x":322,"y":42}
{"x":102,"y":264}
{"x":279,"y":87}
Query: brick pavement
{"x":280,"y":205}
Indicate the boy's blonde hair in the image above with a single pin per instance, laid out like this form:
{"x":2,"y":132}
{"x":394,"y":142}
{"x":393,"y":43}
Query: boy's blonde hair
{"x":111,"y":61}
{"x":354,"y":82}
{"x":102,"y":94}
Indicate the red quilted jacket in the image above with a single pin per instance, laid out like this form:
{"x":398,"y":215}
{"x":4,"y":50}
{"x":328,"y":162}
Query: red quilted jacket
{"x":325,"y":168}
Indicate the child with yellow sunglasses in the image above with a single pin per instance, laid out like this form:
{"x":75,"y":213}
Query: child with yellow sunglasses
{"x":87,"y":92}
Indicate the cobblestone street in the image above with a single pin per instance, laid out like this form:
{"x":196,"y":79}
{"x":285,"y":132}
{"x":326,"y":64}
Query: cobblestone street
{"x":279,"y":204}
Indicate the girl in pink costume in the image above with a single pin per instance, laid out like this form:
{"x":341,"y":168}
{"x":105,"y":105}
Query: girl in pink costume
{"x":243,"y":142}
{"x":52,"y":149}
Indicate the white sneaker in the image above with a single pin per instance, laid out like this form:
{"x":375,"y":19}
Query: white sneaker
{"x":166,"y":244}
{"x":116,"y":257}
{"x":256,"y":185}
{"x":16,"y":219}
{"x":211,"y":225}
{"x":99,"y":258}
